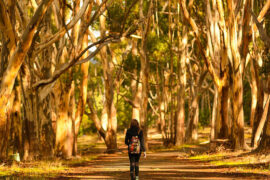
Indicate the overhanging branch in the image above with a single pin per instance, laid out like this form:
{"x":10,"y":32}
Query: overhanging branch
{"x":72,"y":62}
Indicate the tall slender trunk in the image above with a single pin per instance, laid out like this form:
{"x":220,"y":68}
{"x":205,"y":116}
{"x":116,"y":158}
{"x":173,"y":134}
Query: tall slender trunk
{"x":265,"y":141}
{"x":239,"y":53}
{"x":195,"y":93}
{"x":83,"y":94}
{"x":180,"y":121}
{"x":191,"y":131}
{"x":136,"y":99}
{"x":144,"y":28}
{"x":161,"y":105}
{"x":165,"y":97}
{"x":214,"y":116}
{"x":136,"y":86}
{"x":259,"y":129}
{"x":109,"y":110}
{"x":180,"y":117}
{"x":254,"y":91}
{"x":258,"y":112}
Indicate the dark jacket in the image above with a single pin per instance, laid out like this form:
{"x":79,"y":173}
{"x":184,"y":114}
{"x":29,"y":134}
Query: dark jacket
{"x":134,"y":132}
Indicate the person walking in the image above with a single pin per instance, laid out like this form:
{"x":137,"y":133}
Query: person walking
{"x":135,"y":141}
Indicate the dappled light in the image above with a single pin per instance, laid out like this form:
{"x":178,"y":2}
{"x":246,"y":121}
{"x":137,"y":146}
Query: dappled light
{"x":134,"y":89}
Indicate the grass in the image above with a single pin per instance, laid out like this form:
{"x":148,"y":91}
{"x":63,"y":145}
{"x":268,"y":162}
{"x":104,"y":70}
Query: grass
{"x":44,"y":168}
{"x":230,"y":163}
{"x":208,"y":157}
{"x":34,"y":169}
{"x":53,"y":168}
{"x":81,"y":160}
{"x":234,"y":161}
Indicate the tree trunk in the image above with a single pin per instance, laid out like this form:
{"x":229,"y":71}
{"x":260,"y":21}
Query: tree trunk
{"x":31,"y":135}
{"x":180,"y":117}
{"x":258,"y":113}
{"x":161,"y":105}
{"x":31,"y":129}
{"x":6,"y":128}
{"x":45,"y":97}
{"x":214,"y":116}
{"x":64,"y":123}
{"x":83,"y":94}
{"x":144,"y":28}
{"x":238,"y":140}
{"x":47,"y":136}
{"x":109,"y":110}
{"x":195,"y":93}
{"x":16,"y":124}
{"x":180,"y":121}
{"x":64,"y":133}
{"x":257,"y":135}
{"x":254,"y":92}
{"x":136,"y":86}
{"x":224,"y":98}
{"x":136,"y":99}
{"x":165,"y":97}
{"x":191,"y":131}
{"x":265,"y":141}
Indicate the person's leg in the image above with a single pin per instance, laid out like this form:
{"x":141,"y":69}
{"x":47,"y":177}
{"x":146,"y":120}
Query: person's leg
{"x":137,"y":159}
{"x":132,"y":165}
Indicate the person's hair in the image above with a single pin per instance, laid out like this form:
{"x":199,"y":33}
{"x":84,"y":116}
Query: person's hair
{"x":134,"y":124}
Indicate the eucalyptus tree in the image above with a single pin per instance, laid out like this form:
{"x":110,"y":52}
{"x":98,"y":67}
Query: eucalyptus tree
{"x":259,"y":97}
{"x":232,"y":35}
{"x":17,"y":55}
{"x":261,"y":121}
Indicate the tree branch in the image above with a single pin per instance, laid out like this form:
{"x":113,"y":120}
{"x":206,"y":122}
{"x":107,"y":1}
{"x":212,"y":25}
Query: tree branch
{"x":262,"y":31}
{"x":61,"y":32}
{"x":74,"y":61}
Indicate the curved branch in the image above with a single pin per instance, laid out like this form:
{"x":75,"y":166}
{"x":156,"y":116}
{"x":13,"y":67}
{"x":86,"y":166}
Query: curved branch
{"x":74,"y":61}
{"x":262,"y":31}
{"x":62,"y":32}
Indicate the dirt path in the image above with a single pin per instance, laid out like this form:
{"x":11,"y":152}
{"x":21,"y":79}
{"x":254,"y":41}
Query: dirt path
{"x":162,"y":165}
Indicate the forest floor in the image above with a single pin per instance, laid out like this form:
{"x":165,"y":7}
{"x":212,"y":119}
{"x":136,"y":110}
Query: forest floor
{"x":190,"y":161}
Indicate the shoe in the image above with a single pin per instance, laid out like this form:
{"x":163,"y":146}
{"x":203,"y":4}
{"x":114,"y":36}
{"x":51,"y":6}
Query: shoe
{"x":132,"y":177}
{"x":137,"y":178}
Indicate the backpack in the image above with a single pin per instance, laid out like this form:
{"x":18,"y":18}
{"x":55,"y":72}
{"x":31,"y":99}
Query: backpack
{"x":134,"y":145}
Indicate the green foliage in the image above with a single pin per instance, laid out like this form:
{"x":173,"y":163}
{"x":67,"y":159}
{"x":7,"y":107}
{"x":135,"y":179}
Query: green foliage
{"x":158,"y":47}
{"x":87,"y":126}
{"x":204,"y":116}
{"x":124,"y":114}
{"x":119,"y":13}
{"x":115,"y":16}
